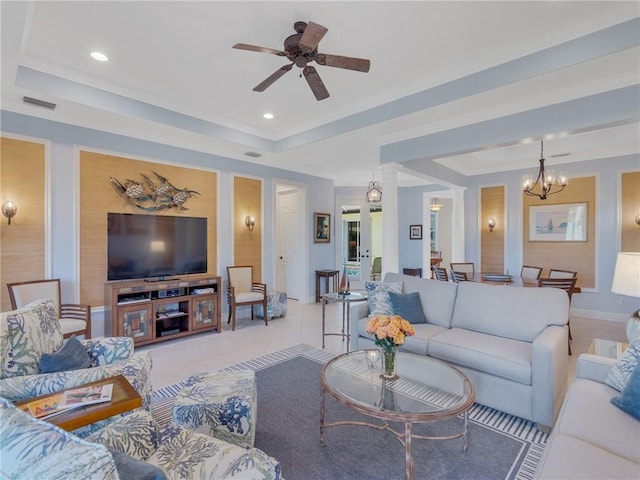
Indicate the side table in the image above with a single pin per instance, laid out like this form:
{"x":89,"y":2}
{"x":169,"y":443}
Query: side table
{"x":345,"y":299}
{"x":607,"y":348}
{"x":327,"y":275}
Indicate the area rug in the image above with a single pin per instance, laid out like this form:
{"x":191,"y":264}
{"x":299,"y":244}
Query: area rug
{"x":501,"y":446}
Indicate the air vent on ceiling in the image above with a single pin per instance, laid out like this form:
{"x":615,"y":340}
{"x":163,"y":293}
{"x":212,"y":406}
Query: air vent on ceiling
{"x":40,"y":103}
{"x":253,"y":154}
{"x":558,"y":155}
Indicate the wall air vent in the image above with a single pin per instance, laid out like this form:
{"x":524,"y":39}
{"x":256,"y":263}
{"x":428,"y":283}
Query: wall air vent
{"x":253,"y":154}
{"x":40,"y":103}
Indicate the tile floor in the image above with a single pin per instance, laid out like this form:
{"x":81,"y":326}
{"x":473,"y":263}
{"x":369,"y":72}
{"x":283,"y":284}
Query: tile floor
{"x":175,"y":360}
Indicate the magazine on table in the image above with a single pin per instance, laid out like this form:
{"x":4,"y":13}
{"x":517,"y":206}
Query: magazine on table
{"x":74,"y":398}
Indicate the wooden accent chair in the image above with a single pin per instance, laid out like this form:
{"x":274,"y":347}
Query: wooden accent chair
{"x":566,"y":284}
{"x":73,"y":318}
{"x":243,"y":291}
{"x":458,"y":277}
{"x":466,"y":267}
{"x":530,"y":273}
{"x":440,"y":274}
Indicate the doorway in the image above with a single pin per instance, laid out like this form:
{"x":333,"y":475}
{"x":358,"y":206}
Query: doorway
{"x":359,"y":234}
{"x":290,"y":241}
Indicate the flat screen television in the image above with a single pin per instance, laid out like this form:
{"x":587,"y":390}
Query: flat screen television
{"x":155,"y":246}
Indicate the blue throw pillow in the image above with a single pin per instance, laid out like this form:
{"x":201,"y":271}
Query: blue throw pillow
{"x":629,"y":401}
{"x":72,"y":356}
{"x":131,"y":467}
{"x":408,"y":306}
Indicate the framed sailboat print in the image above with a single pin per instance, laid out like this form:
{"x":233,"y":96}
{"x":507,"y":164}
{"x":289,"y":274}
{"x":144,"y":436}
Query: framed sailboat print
{"x":562,"y":222}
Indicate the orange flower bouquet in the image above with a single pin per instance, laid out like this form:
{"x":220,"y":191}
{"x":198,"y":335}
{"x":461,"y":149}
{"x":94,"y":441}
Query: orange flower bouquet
{"x":390,"y":331}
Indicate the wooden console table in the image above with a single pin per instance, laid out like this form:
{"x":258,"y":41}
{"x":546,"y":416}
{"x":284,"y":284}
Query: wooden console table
{"x":123,"y":398}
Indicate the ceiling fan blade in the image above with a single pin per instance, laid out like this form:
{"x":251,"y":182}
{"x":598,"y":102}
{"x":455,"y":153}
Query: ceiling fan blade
{"x":266,"y":83}
{"x":311,"y":36}
{"x":315,"y":82}
{"x":253,"y":48}
{"x":350,"y":63}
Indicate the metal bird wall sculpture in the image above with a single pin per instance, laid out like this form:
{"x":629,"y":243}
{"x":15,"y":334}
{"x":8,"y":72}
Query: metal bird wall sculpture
{"x":151,"y":196}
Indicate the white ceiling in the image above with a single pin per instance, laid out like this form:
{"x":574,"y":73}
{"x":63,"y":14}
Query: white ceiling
{"x":173,"y":77}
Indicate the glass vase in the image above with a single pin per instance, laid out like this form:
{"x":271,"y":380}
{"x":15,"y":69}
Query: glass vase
{"x":389,"y":363}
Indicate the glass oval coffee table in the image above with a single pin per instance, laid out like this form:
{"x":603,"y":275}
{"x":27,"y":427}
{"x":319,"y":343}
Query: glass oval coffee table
{"x":427,"y":390}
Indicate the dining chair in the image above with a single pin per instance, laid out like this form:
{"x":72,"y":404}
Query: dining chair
{"x":458,"y":277}
{"x":466,"y":267}
{"x":440,"y":274}
{"x":436,"y":257}
{"x":73,"y":318}
{"x":376,"y":268}
{"x":566,"y":284}
{"x":554,"y":273}
{"x":531,"y":273}
{"x":243,"y":291}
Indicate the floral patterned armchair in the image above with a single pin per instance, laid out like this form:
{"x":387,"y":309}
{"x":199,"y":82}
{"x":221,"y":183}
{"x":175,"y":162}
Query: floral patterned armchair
{"x":28,"y":333}
{"x":178,"y":452}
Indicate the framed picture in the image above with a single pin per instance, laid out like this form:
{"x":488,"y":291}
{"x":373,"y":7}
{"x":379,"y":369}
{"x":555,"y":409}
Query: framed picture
{"x":563,"y":222}
{"x":415,"y":232}
{"x":321,"y":227}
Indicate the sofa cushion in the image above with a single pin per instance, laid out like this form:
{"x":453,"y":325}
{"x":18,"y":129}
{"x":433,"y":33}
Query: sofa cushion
{"x":35,"y":449}
{"x":378,"y":296}
{"x":419,"y":343}
{"x":437,"y":298}
{"x":186,"y":454}
{"x":26,"y":334}
{"x":621,"y":371}
{"x":71,"y":356}
{"x":588,"y":414}
{"x":135,"y":435}
{"x":568,"y":457}
{"x":629,"y":401}
{"x":408,"y":306}
{"x":503,"y":357}
{"x":513,"y":312}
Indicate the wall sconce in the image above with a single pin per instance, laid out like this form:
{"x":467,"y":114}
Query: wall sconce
{"x":492,"y":224}
{"x":9,"y":209}
{"x":250,"y":222}
{"x":638,"y":219}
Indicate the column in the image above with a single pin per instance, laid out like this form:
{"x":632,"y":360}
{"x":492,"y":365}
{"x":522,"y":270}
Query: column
{"x":390,"y":261}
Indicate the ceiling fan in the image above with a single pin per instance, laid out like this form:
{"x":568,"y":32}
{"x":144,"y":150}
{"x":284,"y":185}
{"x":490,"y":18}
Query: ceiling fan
{"x":301,"y":49}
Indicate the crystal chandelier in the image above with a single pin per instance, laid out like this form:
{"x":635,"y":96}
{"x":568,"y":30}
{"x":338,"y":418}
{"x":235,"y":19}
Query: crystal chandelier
{"x":546,"y":181}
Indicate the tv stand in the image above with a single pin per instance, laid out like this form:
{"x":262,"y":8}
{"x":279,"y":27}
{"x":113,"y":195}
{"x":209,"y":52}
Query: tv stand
{"x":154,"y":310}
{"x":161,"y":279}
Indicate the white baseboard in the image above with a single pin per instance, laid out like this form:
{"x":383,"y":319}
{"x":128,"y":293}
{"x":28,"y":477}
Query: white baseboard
{"x":596,"y":315}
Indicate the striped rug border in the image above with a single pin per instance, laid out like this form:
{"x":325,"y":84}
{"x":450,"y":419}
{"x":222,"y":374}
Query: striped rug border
{"x":499,"y":422}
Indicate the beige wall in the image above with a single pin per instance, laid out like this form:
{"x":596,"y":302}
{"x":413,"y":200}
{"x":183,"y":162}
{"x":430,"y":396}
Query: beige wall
{"x":630,"y":235}
{"x":575,"y":256}
{"x":247,"y":245}
{"x":98,"y":197}
{"x":22,"y":244}
{"x":492,"y":243}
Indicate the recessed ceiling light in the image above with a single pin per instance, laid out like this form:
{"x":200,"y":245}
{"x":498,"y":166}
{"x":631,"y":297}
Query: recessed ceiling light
{"x":268,"y":116}
{"x":101,"y":57}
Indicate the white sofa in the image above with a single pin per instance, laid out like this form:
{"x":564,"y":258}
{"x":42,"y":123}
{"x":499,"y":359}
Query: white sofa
{"x":592,"y":438}
{"x":510,"y":342}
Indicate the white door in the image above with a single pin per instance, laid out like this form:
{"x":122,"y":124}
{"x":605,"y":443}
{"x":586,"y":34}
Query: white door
{"x":359,"y":230}
{"x":290,"y":253}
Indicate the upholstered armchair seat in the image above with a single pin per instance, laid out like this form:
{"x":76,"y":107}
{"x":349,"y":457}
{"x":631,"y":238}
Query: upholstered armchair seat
{"x":27,"y":334}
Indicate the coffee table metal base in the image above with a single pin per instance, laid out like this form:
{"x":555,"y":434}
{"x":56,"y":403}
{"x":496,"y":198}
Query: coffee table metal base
{"x":403,"y":437}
